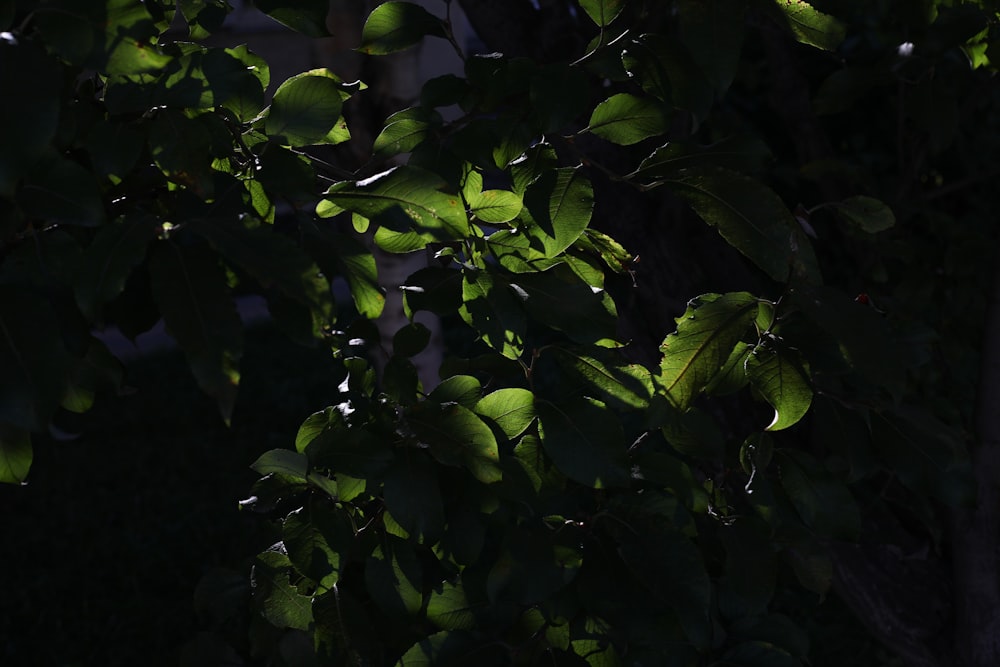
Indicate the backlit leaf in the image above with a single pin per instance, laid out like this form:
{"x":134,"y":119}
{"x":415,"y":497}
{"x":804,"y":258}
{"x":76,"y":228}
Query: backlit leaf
{"x":602,"y":12}
{"x":627,"y":119}
{"x":15,"y":454}
{"x":706,"y":334}
{"x":561,"y":203}
{"x":810,"y":26}
{"x":456,"y":436}
{"x":512,"y":409}
{"x":305,"y":109}
{"x":783,"y":381}
{"x":394,"y":26}
{"x":449,"y":609}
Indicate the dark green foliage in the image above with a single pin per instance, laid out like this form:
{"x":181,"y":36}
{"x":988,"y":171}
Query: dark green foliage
{"x":552,"y":500}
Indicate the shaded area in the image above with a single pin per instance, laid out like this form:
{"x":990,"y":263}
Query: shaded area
{"x":105,"y":545}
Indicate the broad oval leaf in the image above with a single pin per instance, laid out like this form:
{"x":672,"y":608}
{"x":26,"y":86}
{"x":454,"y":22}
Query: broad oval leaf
{"x":448,"y":608}
{"x":706,"y":334}
{"x":282,"y":461}
{"x":783,"y":381}
{"x":602,"y":12}
{"x":865,"y":213}
{"x":561,"y":202}
{"x":457,"y":436}
{"x":810,"y":26}
{"x":404,"y":131}
{"x":405,"y":199}
{"x":494,"y":310}
{"x":413,"y":497}
{"x":305,"y":110}
{"x":628,"y":385}
{"x":512,"y":408}
{"x":585,"y":441}
{"x":108,"y":261}
{"x":495,"y":206}
{"x":394,"y":26}
{"x":627,"y":119}
{"x":822,"y":501}
{"x":748,"y":214}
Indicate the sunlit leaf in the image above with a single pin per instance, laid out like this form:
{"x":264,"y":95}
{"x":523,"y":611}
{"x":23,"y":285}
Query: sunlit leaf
{"x":457,"y":436}
{"x":561,"y":203}
{"x":706,"y":334}
{"x":602,"y":12}
{"x":781,"y":378}
{"x":810,"y":26}
{"x":512,"y":409}
{"x":627,"y":119}
{"x":305,"y":109}
{"x":449,"y":609}
{"x":394,"y":26}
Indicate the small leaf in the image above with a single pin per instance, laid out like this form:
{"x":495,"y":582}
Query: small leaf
{"x":283,"y":461}
{"x":462,"y":389}
{"x":783,"y":382}
{"x":395,"y":26}
{"x":279,"y":602}
{"x":810,"y":26}
{"x":602,"y":12}
{"x":866,"y":213}
{"x":305,"y":109}
{"x":585,"y":441}
{"x":626,"y":119}
{"x":495,"y":206}
{"x":512,"y":409}
{"x":706,"y":334}
{"x":15,"y":454}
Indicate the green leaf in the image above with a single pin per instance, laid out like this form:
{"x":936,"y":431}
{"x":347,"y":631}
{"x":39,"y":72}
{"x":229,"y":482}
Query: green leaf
{"x":109,"y":260}
{"x":315,"y":536}
{"x":306,"y":16}
{"x":405,"y":200}
{"x":712,"y":30}
{"x":585,"y":441}
{"x":282,"y":461}
{"x":494,"y":310}
{"x":112,"y":37}
{"x":448,"y":608}
{"x":190,"y":289}
{"x":456,"y":436}
{"x":433,"y":289}
{"x":404,"y":131}
{"x":559,"y":299}
{"x":749,"y":215}
{"x":602,"y":12}
{"x":180,"y":148}
{"x":305,"y":110}
{"x":279,"y":602}
{"x":393,"y":577}
{"x":395,"y":26}
{"x":812,"y":27}
{"x":561,"y":202}
{"x":495,"y":206}
{"x":462,"y":389}
{"x":706,"y":334}
{"x":824,"y":502}
{"x":783,"y":381}
{"x":743,"y":152}
{"x":15,"y":454}
{"x":413,"y":496}
{"x":865,"y":213}
{"x":341,"y":254}
{"x":733,"y":375}
{"x":442,"y":648}
{"x":627,"y":385}
{"x":626,"y":119}
{"x":513,"y":409}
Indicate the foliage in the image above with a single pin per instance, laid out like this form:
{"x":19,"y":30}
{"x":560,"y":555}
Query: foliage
{"x":552,"y":500}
